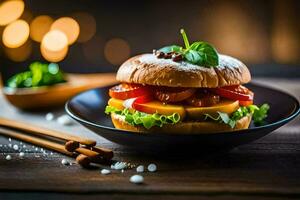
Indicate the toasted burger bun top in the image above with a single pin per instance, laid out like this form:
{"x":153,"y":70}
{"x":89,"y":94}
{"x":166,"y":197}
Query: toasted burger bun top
{"x":150,"y":70}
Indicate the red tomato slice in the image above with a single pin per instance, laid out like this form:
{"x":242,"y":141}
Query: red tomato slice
{"x":167,"y":94}
{"x":245,"y":103}
{"x":134,"y":102}
{"x":140,"y":100}
{"x":203,"y":99}
{"x":236,"y":92}
{"x":126,"y":91}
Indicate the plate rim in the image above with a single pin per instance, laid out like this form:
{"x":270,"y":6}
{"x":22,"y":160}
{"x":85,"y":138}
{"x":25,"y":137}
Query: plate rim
{"x":295,"y":113}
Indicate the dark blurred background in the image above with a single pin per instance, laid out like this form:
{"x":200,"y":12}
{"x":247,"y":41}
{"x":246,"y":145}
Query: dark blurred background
{"x":263,"y":34}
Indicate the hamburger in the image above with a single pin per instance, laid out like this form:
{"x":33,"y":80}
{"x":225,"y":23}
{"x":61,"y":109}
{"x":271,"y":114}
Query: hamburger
{"x":183,"y":90}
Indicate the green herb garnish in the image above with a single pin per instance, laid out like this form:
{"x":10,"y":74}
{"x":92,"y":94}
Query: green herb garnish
{"x":258,"y":114}
{"x":144,"y":119}
{"x":39,"y":74}
{"x":199,"y":53}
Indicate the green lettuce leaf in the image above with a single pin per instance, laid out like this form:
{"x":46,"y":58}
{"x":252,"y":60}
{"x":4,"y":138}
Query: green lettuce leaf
{"x":258,"y":115}
{"x":144,"y":119}
{"x":149,"y":120}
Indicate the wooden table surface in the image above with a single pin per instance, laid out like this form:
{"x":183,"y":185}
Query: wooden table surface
{"x":268,"y":168}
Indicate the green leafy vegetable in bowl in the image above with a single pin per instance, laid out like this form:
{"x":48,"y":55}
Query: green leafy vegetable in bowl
{"x":39,"y":74}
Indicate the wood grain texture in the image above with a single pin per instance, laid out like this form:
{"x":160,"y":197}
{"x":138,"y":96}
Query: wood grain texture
{"x":265,"y":169}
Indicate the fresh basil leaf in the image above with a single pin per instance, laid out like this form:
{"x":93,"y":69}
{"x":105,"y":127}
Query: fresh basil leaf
{"x":172,"y":48}
{"x":209,"y":54}
{"x":193,"y":57}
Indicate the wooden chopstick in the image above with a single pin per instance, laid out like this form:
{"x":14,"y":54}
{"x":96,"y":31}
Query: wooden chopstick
{"x":39,"y":131}
{"x":35,"y":140}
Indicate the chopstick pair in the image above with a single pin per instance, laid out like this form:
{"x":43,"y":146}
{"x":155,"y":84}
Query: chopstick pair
{"x":36,"y":141}
{"x":53,"y":140}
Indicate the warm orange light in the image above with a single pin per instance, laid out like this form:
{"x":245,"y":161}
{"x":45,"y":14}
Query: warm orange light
{"x":10,"y":11}
{"x":54,"y":46}
{"x":15,"y":34}
{"x":233,"y":31}
{"x":19,"y":54}
{"x":285,"y":40}
{"x":39,"y":27}
{"x":69,"y":26}
{"x":87,"y":25}
{"x":116,"y":51}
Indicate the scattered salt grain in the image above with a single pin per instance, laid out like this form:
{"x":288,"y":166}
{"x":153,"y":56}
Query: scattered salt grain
{"x":15,"y":147}
{"x":9,"y":139}
{"x":49,"y":116}
{"x":122,"y":171}
{"x":65,"y":162}
{"x":137,"y":179}
{"x":152,"y":168}
{"x":140,"y":169}
{"x":8,"y":157}
{"x":9,"y":145}
{"x":105,"y":171}
{"x":21,"y":154}
{"x":24,"y":146}
{"x":65,"y":120}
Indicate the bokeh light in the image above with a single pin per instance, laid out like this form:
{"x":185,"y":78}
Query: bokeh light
{"x":87,"y":25}
{"x":232,"y":35}
{"x":69,"y":26}
{"x":93,"y":50}
{"x":39,"y":27}
{"x":19,"y":54}
{"x":116,"y":51}
{"x":10,"y":11}
{"x":285,"y":40}
{"x":15,"y":34}
{"x":54,"y":46}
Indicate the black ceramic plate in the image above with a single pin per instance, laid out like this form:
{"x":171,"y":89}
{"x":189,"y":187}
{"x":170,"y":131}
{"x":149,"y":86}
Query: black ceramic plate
{"x":88,"y":109}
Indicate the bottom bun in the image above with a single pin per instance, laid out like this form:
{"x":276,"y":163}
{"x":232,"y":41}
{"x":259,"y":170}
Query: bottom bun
{"x":183,"y":127}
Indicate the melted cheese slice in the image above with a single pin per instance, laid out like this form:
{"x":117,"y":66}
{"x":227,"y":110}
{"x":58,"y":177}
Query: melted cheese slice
{"x":225,"y":106}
